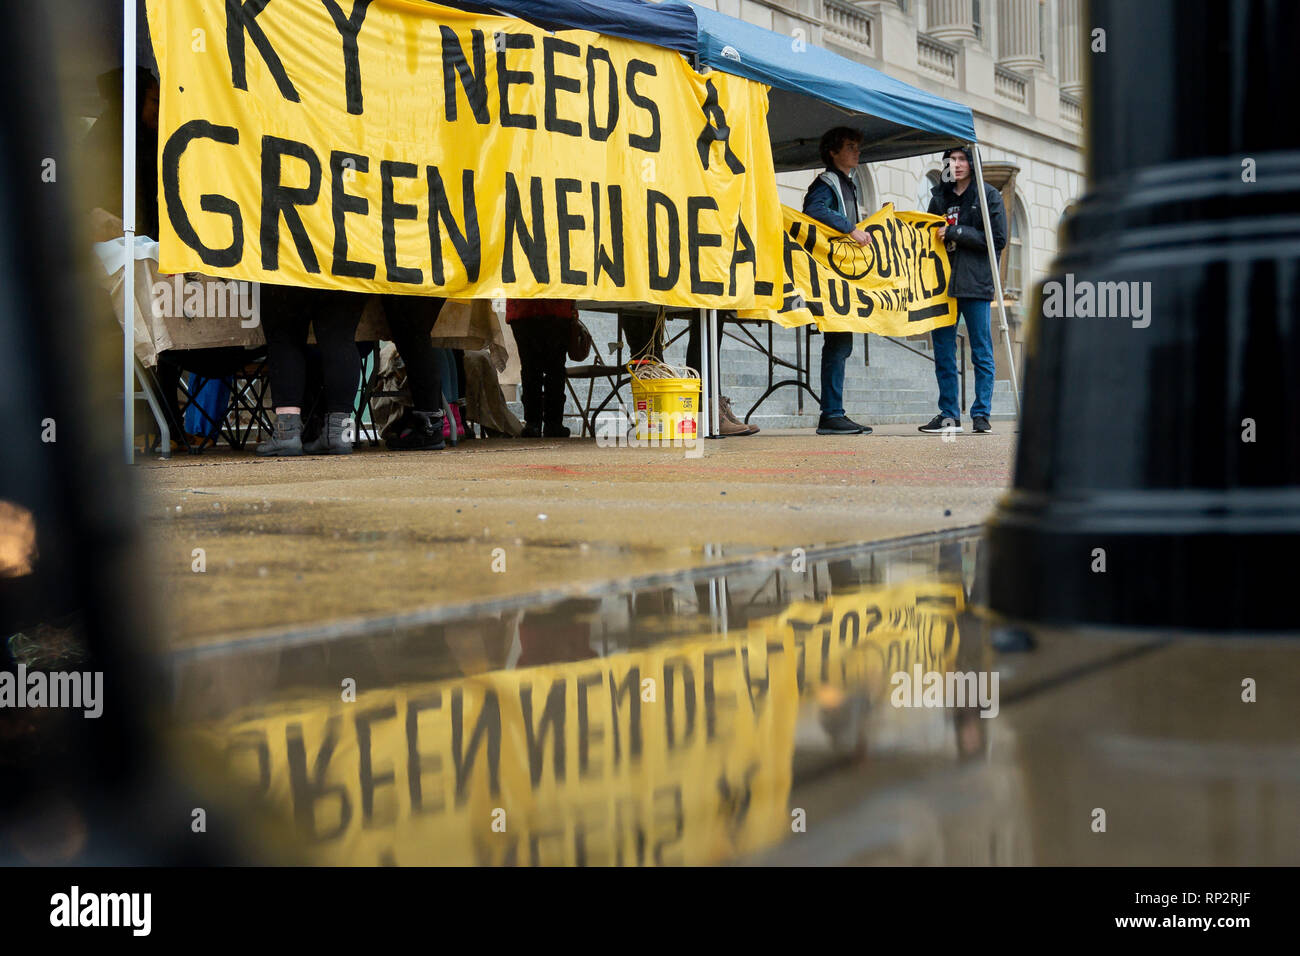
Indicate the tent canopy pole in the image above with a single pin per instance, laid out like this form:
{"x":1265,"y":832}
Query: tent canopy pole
{"x":997,"y":275}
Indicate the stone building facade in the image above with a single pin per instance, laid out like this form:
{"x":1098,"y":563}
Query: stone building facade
{"x":1018,"y":65}
{"x":1015,"y":63}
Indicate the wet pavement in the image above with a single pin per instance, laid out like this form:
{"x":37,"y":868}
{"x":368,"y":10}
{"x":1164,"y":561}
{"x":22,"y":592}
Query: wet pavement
{"x":749,"y":716}
{"x":284,"y":544}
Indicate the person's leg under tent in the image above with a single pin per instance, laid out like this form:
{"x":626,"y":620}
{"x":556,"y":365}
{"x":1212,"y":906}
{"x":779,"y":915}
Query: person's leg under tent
{"x":334,"y":319}
{"x":530,"y":374}
{"x":555,"y":356}
{"x":410,"y":321}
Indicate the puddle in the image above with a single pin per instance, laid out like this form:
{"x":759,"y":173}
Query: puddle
{"x":663,"y":724}
{"x":751,"y":716}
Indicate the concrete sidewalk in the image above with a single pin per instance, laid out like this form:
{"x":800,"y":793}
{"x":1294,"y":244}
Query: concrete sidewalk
{"x":296,"y":541}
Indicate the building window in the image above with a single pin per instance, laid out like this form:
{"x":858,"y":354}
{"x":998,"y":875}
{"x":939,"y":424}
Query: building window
{"x":926,"y":187}
{"x":1017,"y":251}
{"x":1066,"y":213}
{"x":975,"y":17}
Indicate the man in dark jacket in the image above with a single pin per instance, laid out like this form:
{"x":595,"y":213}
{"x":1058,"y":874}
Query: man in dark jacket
{"x":971,"y":284}
{"x":832,"y":199}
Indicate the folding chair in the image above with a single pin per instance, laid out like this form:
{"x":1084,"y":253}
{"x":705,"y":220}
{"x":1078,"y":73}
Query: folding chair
{"x":247,"y":407}
{"x":368,"y":392}
{"x":617,"y":376}
{"x":250,"y":391}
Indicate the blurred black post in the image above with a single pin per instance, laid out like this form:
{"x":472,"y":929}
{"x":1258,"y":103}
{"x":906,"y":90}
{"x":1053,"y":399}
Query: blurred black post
{"x":73,"y":789}
{"x":1169,"y":450}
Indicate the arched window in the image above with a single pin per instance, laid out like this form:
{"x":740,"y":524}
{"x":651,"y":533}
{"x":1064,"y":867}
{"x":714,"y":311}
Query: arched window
{"x":926,"y":187}
{"x":1017,"y":252}
{"x":1066,"y":213}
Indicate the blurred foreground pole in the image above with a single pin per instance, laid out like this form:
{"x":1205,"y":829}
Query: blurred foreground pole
{"x":1157,"y":477}
{"x":130,"y":116}
{"x":75,"y":787}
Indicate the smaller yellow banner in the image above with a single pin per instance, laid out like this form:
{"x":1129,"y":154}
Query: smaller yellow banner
{"x":895,"y":284}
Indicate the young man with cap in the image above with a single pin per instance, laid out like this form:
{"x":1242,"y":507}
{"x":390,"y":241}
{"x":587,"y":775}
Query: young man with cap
{"x":832,"y":199}
{"x":971,"y":284}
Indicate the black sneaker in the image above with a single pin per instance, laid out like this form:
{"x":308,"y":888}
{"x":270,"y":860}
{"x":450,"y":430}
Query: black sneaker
{"x":840,"y":425}
{"x":941,"y":425}
{"x":531,"y":431}
{"x":981,"y":425}
{"x":555,"y":431}
{"x":417,"y":431}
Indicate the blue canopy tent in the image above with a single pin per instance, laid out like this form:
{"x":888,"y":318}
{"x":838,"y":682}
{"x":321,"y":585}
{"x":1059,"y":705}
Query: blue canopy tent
{"x":812,"y":90}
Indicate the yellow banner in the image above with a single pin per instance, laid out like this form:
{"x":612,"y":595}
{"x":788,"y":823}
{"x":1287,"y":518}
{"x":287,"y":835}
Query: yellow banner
{"x":678,"y":755}
{"x":896,"y":284}
{"x":401,"y":146}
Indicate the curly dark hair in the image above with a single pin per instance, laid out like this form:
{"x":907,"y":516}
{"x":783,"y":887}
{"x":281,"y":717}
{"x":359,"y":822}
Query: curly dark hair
{"x":834,"y":139}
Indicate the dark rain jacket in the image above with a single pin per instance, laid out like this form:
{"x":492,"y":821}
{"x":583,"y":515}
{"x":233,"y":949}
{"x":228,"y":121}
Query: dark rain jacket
{"x":967,"y":250}
{"x":827,"y":204}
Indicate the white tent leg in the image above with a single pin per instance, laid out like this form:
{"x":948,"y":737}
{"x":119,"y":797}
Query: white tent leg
{"x":129,"y":117}
{"x":711,"y":344}
{"x":155,"y":405}
{"x":705,"y":424}
{"x":997,"y":276}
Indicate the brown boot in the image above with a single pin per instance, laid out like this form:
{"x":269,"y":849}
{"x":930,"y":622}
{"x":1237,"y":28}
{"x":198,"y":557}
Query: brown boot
{"x":727,"y":416}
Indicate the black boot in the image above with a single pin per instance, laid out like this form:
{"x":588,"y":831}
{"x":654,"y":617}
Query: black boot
{"x":335,"y":438}
{"x":285,"y":440}
{"x":417,"y":430}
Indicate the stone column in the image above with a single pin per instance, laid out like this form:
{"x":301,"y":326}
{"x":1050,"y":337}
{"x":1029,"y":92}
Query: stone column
{"x":1073,"y":38}
{"x":950,"y":20}
{"x":1018,"y":47}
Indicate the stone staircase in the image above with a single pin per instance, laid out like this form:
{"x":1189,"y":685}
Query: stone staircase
{"x":890,"y":385}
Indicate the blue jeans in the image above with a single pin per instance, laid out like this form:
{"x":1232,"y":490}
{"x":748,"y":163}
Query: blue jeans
{"x":836,"y":347}
{"x":976,"y":314}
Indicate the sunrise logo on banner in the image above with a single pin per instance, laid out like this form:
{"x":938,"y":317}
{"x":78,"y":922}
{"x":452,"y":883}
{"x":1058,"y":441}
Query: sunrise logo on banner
{"x":420,"y":149}
{"x":896,"y":284}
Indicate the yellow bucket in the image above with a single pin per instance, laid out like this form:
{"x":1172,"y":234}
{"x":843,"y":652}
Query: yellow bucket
{"x":667,"y":409}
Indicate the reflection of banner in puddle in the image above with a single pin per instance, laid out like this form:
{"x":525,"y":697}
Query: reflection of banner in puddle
{"x":584,"y":768}
{"x":858,"y":640}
